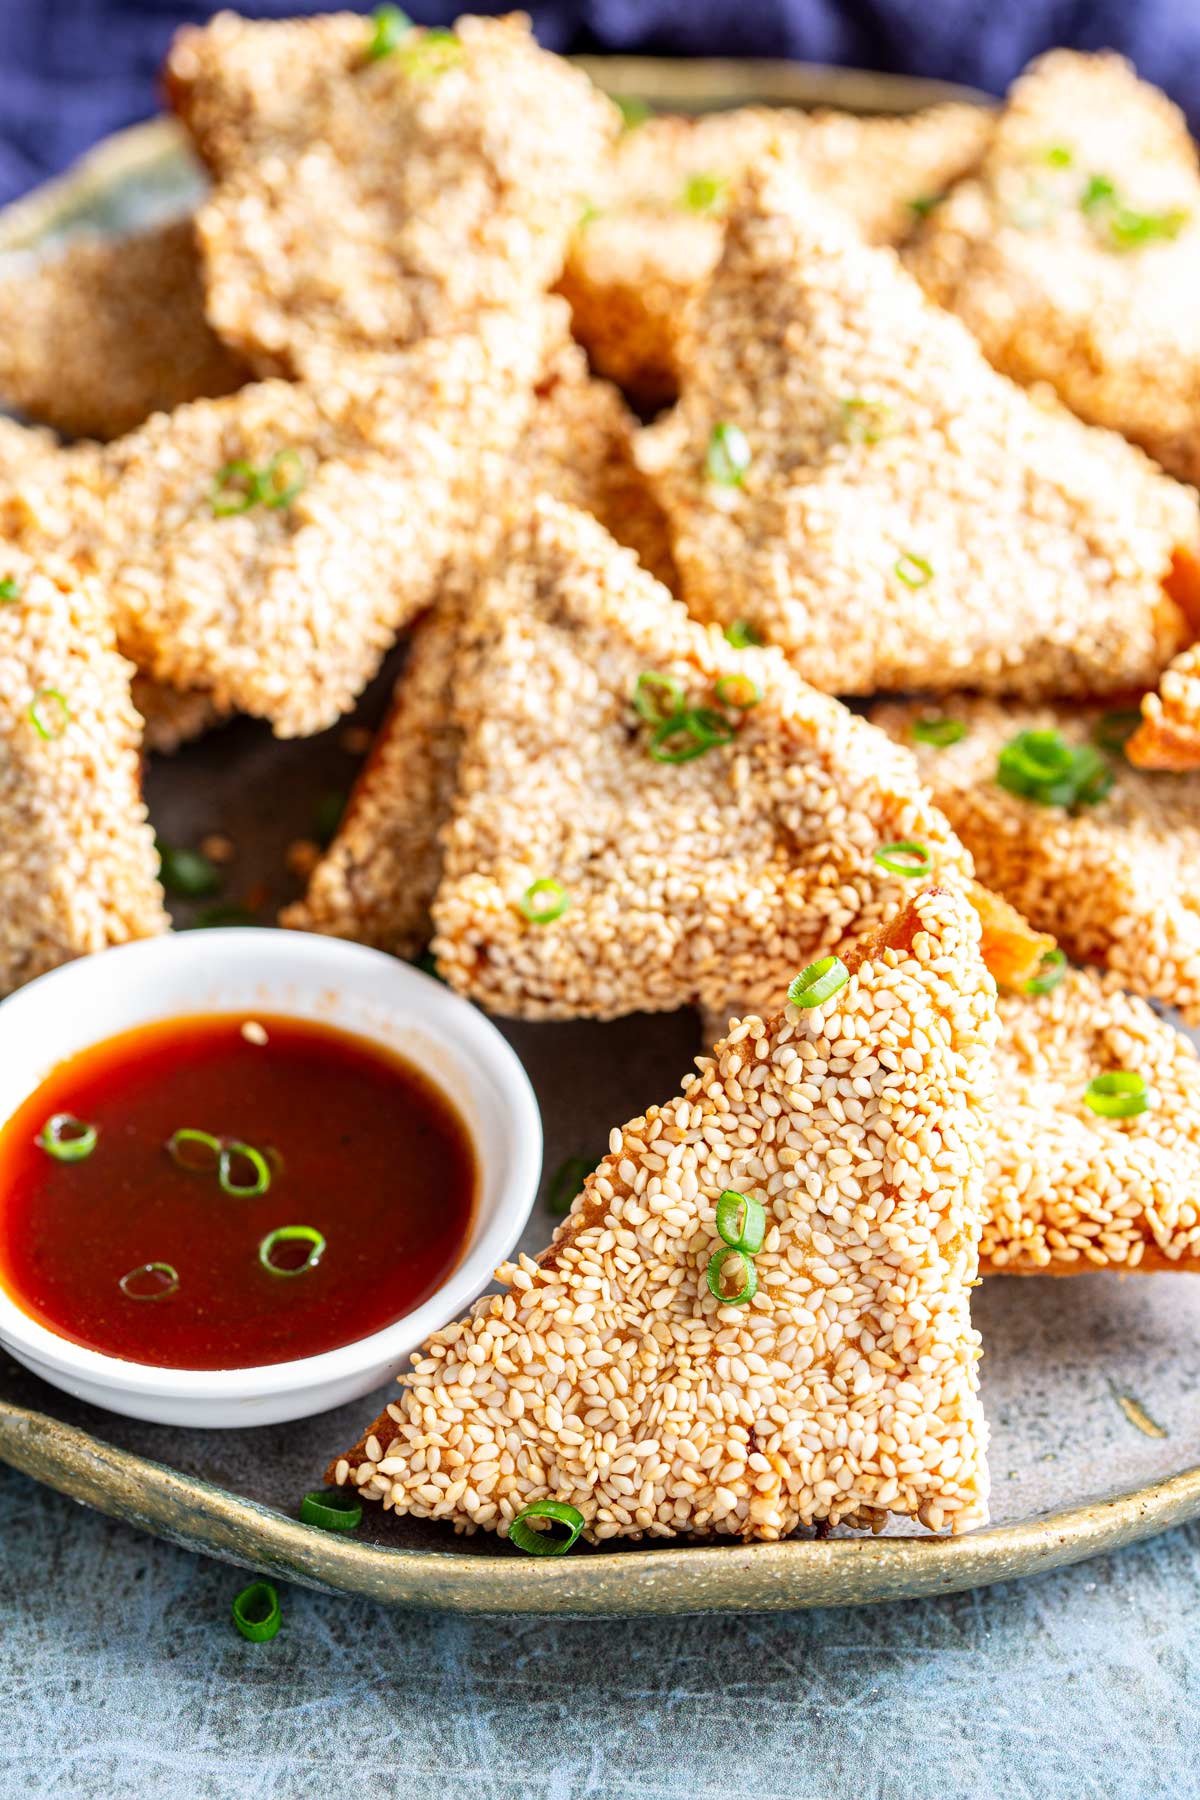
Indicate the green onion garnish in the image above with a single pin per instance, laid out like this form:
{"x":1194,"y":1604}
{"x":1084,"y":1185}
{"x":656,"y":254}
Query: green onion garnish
{"x":67,"y":1139}
{"x":716,"y":1277}
{"x":213,"y":917}
{"x":544,"y":901}
{"x":239,"y":485}
{"x":391,"y":25}
{"x":327,"y":815}
{"x":738,"y":691}
{"x":1120,"y":226}
{"x":1051,"y":970}
{"x":199,"y":1152}
{"x":435,"y":51}
{"x":912,"y":570}
{"x":256,"y":1612}
{"x":728,"y":455}
{"x":741,"y":1222}
{"x":282,"y":479}
{"x":150,"y":1281}
{"x":705,"y":193}
{"x":940,"y":732}
{"x":234,"y":489}
{"x":187,"y":873}
{"x":633,"y":112}
{"x":1118,"y":1095}
{"x":567,"y":1182}
{"x":657,"y":698}
{"x":546,"y":1543}
{"x":331,"y":1509}
{"x":1114,"y":730}
{"x":9,"y":589}
{"x":1041,"y":766}
{"x":230,"y":1153}
{"x":689,"y":734}
{"x":867,"y":421}
{"x":904,"y":858}
{"x":741,"y":634}
{"x":49,"y":713}
{"x":292,"y":1234}
{"x":924,"y":204}
{"x":819,"y":982}
{"x":1058,"y":156}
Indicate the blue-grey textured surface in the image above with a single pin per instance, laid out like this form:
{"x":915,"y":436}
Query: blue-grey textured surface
{"x":120,"y":1674}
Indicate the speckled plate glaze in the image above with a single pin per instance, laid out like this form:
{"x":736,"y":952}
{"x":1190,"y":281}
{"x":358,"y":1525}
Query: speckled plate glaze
{"x":1070,"y":1365}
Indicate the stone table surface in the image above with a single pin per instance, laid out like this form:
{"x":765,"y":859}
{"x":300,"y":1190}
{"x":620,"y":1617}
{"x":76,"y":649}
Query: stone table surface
{"x":120,"y":1674}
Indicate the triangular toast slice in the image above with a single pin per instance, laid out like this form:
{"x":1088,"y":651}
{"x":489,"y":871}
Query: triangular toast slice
{"x":645,"y":816}
{"x":846,"y":475}
{"x":609,"y":1376}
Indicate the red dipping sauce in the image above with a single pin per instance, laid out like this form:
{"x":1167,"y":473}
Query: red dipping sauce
{"x":358,"y":1148}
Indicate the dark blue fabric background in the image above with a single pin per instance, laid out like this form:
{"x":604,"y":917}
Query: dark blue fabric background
{"x":72,"y":70}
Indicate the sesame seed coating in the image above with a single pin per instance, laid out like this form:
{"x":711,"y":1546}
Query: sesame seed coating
{"x":1036,"y":266}
{"x":608,"y":1376}
{"x":171,"y":719}
{"x":643,"y":254}
{"x":1169,"y":735}
{"x":700,"y":880}
{"x":78,"y":870}
{"x":1117,"y":883}
{"x":957,"y":535}
{"x":96,"y":337}
{"x":365,"y":204}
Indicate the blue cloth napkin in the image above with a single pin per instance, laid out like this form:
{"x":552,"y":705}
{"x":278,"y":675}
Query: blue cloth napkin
{"x":73,"y":70}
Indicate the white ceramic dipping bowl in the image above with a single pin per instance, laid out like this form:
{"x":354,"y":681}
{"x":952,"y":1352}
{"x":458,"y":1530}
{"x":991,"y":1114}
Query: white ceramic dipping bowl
{"x":305,"y":977}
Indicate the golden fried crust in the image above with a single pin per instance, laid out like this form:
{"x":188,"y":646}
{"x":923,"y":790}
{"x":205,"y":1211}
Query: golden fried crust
{"x":170,"y":718}
{"x":908,"y":517}
{"x":1093,"y":295}
{"x":858,"y":1126}
{"x":652,"y":235}
{"x":707,"y":879}
{"x":1169,"y":735}
{"x":364,"y":204}
{"x":99,"y":336}
{"x":1118,"y":883}
{"x":78,"y":869}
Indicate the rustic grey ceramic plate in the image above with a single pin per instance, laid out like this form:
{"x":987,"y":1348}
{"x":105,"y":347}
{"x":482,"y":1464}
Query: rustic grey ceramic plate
{"x":1074,"y":1473}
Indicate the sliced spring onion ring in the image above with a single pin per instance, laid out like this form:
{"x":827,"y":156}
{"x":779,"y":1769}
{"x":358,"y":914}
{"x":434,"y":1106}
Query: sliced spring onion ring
{"x":9,"y":589}
{"x":49,"y":713}
{"x":657,"y":698}
{"x":904,"y":858}
{"x":234,"y":489}
{"x":256,"y":1612}
{"x":741,"y":1222}
{"x":716,"y":1277}
{"x":230,"y":1155}
{"x":705,"y":193}
{"x":435,"y":51}
{"x":689,"y":734}
{"x":738,"y":691}
{"x":68,"y":1139}
{"x":819,"y":982}
{"x":741,"y":634}
{"x":567,"y":1182}
{"x":924,"y":204}
{"x":1120,"y":226}
{"x":1120,"y":1094}
{"x":331,"y":1509}
{"x":633,"y":113}
{"x":940,"y":732}
{"x":282,"y":479}
{"x":390,"y":26}
{"x":1058,"y":156}
{"x":150,"y":1281}
{"x":187,"y":873}
{"x":544,"y":901}
{"x":1114,"y":730}
{"x":1050,"y":972}
{"x":867,"y":421}
{"x":1041,"y":766}
{"x":912,"y":570}
{"x":728,"y":455}
{"x":292,"y":1234}
{"x":184,"y":1144}
{"x":546,"y":1543}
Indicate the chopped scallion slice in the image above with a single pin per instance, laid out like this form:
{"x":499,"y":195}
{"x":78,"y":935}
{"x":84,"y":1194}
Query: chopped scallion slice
{"x":738,"y":691}
{"x":331,"y":1509}
{"x":9,"y":589}
{"x":1114,"y":730}
{"x":150,"y":1281}
{"x":867,"y":421}
{"x":391,"y":25}
{"x":291,"y":1234}
{"x":819,"y":982}
{"x":924,"y":204}
{"x":231,"y":1155}
{"x":741,"y":1222}
{"x":199,"y":1152}
{"x":940,"y":732}
{"x":67,"y":1139}
{"x":1120,"y":226}
{"x":742,"y":1295}
{"x":633,"y":112}
{"x":657,"y":698}
{"x":741,"y":634}
{"x":689,"y":734}
{"x":1120,"y":1094}
{"x":705,"y":193}
{"x":912,"y":570}
{"x":187,"y":873}
{"x":282,"y":479}
{"x":1058,"y":156}
{"x":49,"y":713}
{"x":432,"y":53}
{"x":546,"y":1543}
{"x":256,"y":1612}
{"x":544,"y":901}
{"x":1051,"y":970}
{"x":1041,"y":766}
{"x":728,"y":455}
{"x":904,"y":858}
{"x":567,"y":1182}
{"x":234,"y":489}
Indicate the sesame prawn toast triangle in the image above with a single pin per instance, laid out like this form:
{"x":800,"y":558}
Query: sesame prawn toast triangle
{"x":609,"y":1376}
{"x":645,"y":816}
{"x":266,"y":548}
{"x":1115,"y":875}
{"x":363,"y":200}
{"x":893,"y":512}
{"x":78,"y":868}
{"x":1074,"y":253}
